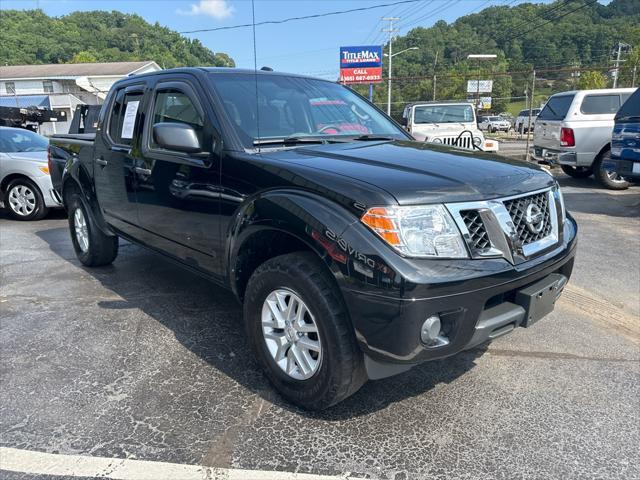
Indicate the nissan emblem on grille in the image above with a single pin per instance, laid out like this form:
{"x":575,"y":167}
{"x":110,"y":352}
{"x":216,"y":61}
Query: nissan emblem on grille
{"x":534,"y":218}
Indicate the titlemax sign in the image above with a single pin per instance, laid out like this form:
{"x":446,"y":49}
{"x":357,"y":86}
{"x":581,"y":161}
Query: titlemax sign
{"x":361,"y":64}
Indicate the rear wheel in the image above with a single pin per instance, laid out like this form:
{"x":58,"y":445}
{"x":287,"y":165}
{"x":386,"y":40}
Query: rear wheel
{"x":300,"y":332}
{"x":577,"y":172}
{"x":608,"y":178}
{"x":93,"y":247}
{"x":24,"y":201}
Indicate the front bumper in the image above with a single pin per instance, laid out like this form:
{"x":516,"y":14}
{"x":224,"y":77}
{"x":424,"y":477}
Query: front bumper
{"x":476,"y":300}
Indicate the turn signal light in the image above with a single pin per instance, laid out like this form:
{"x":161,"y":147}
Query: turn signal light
{"x":381,"y":221}
{"x":44,"y":170}
{"x":567,"y":139}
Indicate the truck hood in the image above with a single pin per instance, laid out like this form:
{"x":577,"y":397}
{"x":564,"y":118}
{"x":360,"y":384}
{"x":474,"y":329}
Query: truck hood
{"x":415,"y":173}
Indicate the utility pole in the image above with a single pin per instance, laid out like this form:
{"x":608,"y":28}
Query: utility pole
{"x":533,"y":91}
{"x":619,"y":47}
{"x":391,"y":31}
{"x":633,"y":80}
{"x":435,"y":62}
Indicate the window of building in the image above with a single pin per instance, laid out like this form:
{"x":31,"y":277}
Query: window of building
{"x":10,"y":87}
{"x":47,"y":86}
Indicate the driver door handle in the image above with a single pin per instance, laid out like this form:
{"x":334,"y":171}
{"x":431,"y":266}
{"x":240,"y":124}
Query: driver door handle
{"x":102,"y":161}
{"x":142,"y":171}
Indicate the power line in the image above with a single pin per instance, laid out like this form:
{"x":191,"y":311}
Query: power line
{"x":584,"y":5}
{"x":305,"y":17}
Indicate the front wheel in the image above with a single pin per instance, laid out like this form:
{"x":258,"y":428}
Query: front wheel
{"x":300,"y":332}
{"x":24,"y":201}
{"x":608,"y":178}
{"x":577,"y":172}
{"x":93,"y":247}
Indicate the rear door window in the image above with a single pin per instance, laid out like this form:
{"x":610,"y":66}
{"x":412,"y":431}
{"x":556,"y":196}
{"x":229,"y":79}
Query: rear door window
{"x":125,"y":116}
{"x":556,"y":108}
{"x":600,"y":104}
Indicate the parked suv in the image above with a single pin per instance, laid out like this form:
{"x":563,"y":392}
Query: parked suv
{"x":356,"y":255}
{"x":625,"y":141}
{"x":446,"y":123}
{"x":574,"y":131}
{"x":521,"y":122}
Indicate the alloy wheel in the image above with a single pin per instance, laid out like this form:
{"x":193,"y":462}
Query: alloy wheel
{"x":81,"y":230}
{"x":291,"y":334}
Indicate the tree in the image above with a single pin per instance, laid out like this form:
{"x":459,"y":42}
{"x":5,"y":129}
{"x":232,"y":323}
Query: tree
{"x":591,"y":80}
{"x":84,"y":57}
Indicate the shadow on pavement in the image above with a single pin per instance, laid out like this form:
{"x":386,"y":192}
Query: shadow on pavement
{"x":588,"y":196}
{"x":206,"y":318}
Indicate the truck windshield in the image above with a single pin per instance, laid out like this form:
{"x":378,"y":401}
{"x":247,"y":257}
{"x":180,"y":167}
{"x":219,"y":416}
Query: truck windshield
{"x":556,"y":108}
{"x":303,"y":108}
{"x":15,"y":140}
{"x":443,"y":114}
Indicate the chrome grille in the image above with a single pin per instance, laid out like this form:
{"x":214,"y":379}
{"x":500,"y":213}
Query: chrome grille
{"x":498,"y":227}
{"x":478,"y":235}
{"x":517,"y":209}
{"x":463,"y":142}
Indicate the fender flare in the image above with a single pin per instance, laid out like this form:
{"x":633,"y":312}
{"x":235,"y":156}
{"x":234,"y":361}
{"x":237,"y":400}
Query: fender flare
{"x":310,"y":218}
{"x":76,"y":174}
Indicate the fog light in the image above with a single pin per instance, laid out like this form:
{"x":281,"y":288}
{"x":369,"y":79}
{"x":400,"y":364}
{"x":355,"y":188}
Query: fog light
{"x":430,"y":332}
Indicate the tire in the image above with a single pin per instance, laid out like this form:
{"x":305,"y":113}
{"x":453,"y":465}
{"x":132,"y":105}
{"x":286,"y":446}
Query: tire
{"x":577,"y":172}
{"x":608,"y":179}
{"x":339,"y":366}
{"x":93,"y":247}
{"x":24,"y":201}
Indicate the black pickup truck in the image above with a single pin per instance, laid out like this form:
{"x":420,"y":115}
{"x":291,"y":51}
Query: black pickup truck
{"x":356,"y":252}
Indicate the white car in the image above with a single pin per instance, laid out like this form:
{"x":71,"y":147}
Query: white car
{"x":25,"y":184}
{"x":448,"y":123}
{"x":494,"y":124}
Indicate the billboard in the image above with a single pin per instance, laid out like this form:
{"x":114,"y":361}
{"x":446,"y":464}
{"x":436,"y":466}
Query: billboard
{"x":361,"y":64}
{"x":485,"y":86}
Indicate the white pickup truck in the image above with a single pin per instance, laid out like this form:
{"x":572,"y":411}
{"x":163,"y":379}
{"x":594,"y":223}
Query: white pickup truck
{"x":448,"y":123}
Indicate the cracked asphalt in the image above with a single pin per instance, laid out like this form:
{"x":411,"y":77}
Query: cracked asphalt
{"x":145,"y":360}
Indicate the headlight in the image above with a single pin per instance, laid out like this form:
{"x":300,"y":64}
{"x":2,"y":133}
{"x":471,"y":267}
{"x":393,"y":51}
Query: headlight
{"x":477,"y":141}
{"x":417,"y":231}
{"x":436,"y":140}
{"x":557,"y":193}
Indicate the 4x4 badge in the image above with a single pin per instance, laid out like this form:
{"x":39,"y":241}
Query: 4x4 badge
{"x":534,"y":218}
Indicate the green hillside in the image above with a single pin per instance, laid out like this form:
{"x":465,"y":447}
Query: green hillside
{"x":32,"y":37}
{"x":552,"y":38}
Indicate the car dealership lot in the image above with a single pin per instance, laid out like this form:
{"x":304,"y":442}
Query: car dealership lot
{"x":143,"y":360}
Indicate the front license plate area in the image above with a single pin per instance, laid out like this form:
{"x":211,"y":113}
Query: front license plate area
{"x":539,"y":298}
{"x":636,"y":168}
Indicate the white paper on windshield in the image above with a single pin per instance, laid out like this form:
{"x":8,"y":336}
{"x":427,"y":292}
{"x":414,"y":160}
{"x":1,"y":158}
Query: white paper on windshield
{"x":129,"y":119}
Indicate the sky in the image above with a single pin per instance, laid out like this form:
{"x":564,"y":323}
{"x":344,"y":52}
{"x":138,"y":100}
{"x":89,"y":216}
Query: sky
{"x":306,"y":46}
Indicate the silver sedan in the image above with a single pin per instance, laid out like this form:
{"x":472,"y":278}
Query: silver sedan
{"x":25,"y":184}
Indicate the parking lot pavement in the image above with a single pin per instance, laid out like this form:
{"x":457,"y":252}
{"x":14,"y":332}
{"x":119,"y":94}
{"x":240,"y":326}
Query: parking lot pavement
{"x":144,"y":360}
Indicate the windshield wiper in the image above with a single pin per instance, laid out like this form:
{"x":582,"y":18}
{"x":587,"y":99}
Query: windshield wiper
{"x":290,"y":140}
{"x":373,"y":136}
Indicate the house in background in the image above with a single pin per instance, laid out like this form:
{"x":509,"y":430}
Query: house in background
{"x":61,"y":87}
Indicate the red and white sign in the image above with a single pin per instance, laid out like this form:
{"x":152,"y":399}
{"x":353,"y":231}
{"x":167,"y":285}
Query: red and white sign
{"x":361,"y":75}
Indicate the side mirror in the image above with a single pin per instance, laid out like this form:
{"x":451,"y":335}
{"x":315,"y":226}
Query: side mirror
{"x":403,"y":121}
{"x":178,"y":137}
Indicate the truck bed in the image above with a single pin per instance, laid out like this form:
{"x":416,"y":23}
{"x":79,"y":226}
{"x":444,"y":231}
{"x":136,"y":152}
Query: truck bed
{"x":62,"y":147}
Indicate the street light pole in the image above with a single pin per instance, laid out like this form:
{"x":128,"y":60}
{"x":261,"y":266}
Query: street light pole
{"x":390,"y":56}
{"x":391,"y":30}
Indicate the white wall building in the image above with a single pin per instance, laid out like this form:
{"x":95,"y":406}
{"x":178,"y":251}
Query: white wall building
{"x":63,"y":86}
